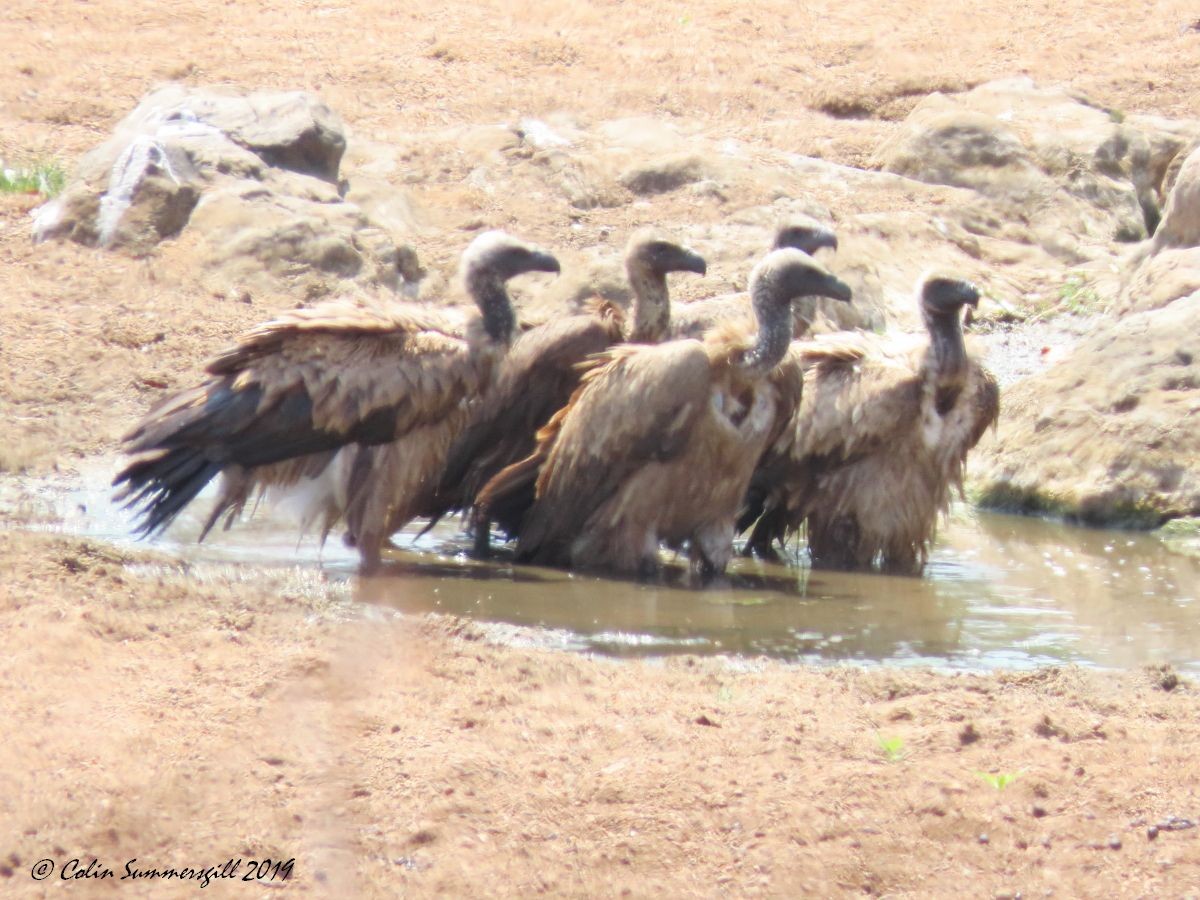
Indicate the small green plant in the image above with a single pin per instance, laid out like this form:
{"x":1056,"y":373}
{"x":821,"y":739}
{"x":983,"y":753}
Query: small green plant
{"x":891,"y":747}
{"x":724,"y":694}
{"x":1116,"y":116}
{"x":1000,"y":780}
{"x":47,"y":179}
{"x":1077,"y":296}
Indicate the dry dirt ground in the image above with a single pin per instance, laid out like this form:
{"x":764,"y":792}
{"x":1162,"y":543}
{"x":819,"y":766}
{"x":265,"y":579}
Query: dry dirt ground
{"x":186,"y":717}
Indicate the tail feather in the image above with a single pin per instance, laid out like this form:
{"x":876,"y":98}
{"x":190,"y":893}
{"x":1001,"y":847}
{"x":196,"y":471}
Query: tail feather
{"x":507,"y":497}
{"x":160,"y":487}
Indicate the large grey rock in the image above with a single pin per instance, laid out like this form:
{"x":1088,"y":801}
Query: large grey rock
{"x":1037,"y":152}
{"x":1180,"y":225}
{"x":657,"y":176}
{"x":1168,"y":267}
{"x":1108,"y":435}
{"x":254,"y":180}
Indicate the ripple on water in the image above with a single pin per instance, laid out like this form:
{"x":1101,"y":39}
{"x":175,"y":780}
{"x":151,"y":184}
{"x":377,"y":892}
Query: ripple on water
{"x":1000,"y":592}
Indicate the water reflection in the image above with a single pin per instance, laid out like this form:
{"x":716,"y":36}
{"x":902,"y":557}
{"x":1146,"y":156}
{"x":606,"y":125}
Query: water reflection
{"x":1000,"y":592}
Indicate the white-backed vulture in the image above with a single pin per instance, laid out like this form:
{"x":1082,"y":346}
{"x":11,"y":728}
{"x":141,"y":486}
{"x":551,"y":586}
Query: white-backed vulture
{"x":278,"y":406}
{"x":541,"y":372}
{"x":658,"y":443}
{"x":695,"y":319}
{"x":879,"y":441}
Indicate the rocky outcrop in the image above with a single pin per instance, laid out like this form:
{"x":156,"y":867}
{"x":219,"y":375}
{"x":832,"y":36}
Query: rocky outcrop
{"x":253,"y":179}
{"x":1051,"y":158}
{"x":1168,"y":267}
{"x":1107,"y":436}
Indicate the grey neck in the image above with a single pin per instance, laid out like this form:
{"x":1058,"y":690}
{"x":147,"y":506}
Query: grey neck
{"x":491,"y":296}
{"x":774,"y":332}
{"x":651,"y":306}
{"x":804,"y":312}
{"x":948,"y":357}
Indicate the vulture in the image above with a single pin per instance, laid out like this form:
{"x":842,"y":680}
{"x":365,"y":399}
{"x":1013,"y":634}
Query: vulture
{"x":694,"y":320}
{"x":541,"y":372}
{"x":880,"y":438}
{"x":658,"y":443}
{"x":276,"y":408}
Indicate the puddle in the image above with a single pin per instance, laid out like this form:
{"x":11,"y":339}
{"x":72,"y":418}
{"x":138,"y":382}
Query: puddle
{"x":1000,"y":591}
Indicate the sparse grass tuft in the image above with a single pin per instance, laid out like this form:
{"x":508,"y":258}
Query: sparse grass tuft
{"x":891,"y":747}
{"x":1076,"y":296}
{"x":1000,"y":780}
{"x":47,"y":179}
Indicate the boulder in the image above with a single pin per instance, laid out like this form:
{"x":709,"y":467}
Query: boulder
{"x":657,"y":176}
{"x":1180,"y":225}
{"x":1168,"y":267}
{"x":254,"y":180}
{"x":1108,"y":435}
{"x":1047,"y":155}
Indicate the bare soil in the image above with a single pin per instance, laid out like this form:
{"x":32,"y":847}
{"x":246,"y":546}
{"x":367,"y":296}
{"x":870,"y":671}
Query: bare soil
{"x":187,"y":716}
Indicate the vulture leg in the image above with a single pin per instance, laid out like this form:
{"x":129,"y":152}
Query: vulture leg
{"x":762,"y":539}
{"x":482,"y":534}
{"x":832,"y":543}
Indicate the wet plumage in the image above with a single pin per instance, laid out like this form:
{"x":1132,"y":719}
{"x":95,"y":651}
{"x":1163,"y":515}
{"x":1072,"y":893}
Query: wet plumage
{"x":659,"y":442}
{"x":879,"y":442}
{"x":541,"y":372}
{"x":278,"y":406}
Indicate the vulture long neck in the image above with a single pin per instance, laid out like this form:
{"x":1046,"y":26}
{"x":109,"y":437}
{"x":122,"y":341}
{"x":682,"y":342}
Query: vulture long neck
{"x":774,"y":332}
{"x":651,"y":306}
{"x":947,"y":359}
{"x":491,"y":295}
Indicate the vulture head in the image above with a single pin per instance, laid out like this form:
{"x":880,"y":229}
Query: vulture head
{"x":652,"y":253}
{"x":805,"y":234}
{"x":779,"y":278}
{"x":649,"y":256}
{"x":488,"y":262}
{"x":943,"y":296}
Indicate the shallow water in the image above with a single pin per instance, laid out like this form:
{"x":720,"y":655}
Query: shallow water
{"x":999,"y":592}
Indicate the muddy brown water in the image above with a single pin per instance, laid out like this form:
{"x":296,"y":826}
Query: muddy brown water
{"x":999,"y":592}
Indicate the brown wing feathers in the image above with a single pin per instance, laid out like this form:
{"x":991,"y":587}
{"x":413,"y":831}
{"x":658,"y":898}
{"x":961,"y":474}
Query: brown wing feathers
{"x":285,"y":393}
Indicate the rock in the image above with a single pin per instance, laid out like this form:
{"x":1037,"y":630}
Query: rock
{"x":1027,"y":148}
{"x":595,"y":274}
{"x":945,"y":145}
{"x":1161,"y":279}
{"x":1180,"y":225}
{"x":1168,"y":267}
{"x":251,"y":180}
{"x":665,"y":174}
{"x":1107,"y":436}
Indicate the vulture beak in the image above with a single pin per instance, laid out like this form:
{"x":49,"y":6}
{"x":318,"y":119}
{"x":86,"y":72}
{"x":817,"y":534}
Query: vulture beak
{"x":970,"y":295}
{"x":690,"y":261}
{"x":837,"y":289}
{"x":543,"y":262}
{"x":823,"y":238}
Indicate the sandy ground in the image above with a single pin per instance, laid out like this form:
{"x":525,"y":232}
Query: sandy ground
{"x":185,"y":717}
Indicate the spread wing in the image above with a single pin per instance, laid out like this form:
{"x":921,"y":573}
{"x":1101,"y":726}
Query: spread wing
{"x":306,"y":383}
{"x":636,"y":404}
{"x":535,"y":380}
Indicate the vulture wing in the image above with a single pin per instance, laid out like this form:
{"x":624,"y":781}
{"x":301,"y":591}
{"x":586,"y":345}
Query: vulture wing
{"x":856,"y":391}
{"x":306,"y":383}
{"x":535,"y":380}
{"x":637,"y":404}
